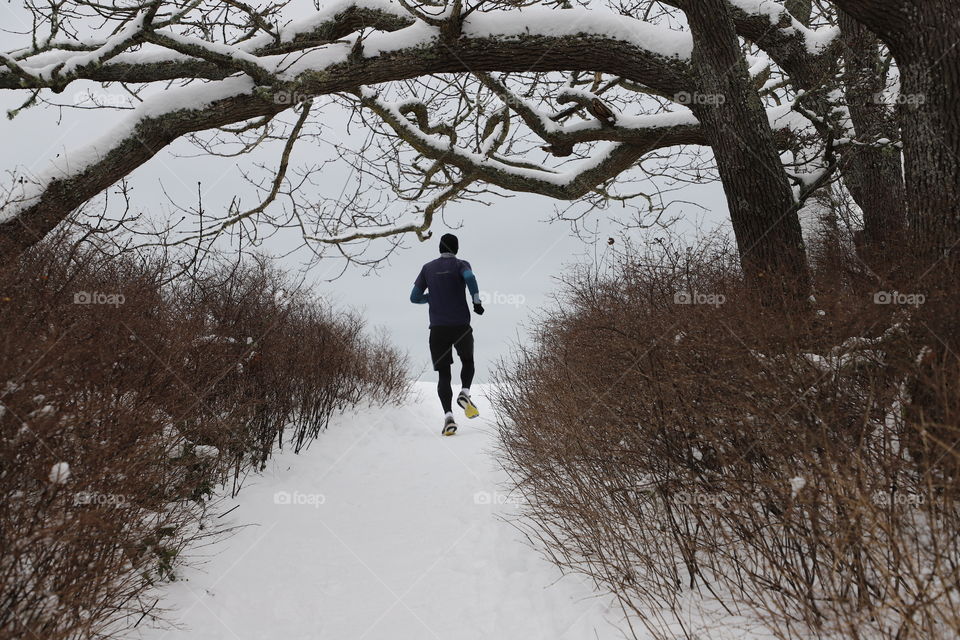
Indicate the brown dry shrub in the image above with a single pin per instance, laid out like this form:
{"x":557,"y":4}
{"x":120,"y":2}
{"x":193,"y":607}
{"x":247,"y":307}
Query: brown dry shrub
{"x":802,"y":466}
{"x":153,"y":403}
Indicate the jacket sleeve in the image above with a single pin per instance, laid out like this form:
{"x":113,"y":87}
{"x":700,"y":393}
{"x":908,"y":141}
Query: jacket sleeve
{"x":417,"y":295}
{"x":471,"y":280}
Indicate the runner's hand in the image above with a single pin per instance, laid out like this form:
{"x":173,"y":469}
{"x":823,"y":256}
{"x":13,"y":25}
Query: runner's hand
{"x":478,"y":308}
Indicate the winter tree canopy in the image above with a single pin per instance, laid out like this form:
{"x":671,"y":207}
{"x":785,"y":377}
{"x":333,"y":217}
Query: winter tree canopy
{"x":575,"y":102}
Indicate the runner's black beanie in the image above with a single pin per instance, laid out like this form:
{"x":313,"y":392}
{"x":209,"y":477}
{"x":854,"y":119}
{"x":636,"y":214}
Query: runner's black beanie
{"x":449,"y":243}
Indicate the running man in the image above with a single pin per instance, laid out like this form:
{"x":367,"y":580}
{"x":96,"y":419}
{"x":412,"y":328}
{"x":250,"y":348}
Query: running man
{"x":441,"y":284}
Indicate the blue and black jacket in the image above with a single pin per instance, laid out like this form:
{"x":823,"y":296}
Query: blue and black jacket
{"x":441,"y":283}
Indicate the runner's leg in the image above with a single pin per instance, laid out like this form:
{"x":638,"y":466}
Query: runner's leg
{"x":441,"y":345}
{"x":465,"y":351}
{"x":444,"y":390}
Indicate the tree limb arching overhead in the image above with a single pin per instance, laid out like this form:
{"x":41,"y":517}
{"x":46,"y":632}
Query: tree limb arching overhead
{"x":260,"y":80}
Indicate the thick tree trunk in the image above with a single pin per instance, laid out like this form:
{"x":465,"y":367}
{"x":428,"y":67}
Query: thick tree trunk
{"x":930,"y":74}
{"x":923,"y":37}
{"x":873,"y":175}
{"x":761,"y":203}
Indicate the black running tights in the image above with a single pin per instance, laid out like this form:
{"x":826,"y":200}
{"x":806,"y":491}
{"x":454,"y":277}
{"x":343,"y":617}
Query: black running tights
{"x":446,"y":377}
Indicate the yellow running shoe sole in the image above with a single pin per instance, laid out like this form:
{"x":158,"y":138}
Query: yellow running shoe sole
{"x":468,"y":409}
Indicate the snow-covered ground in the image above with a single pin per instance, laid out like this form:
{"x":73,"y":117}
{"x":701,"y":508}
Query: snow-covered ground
{"x":381,"y":529}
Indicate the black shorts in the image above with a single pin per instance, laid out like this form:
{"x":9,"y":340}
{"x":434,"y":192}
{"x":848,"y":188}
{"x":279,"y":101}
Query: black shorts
{"x":443,"y":340}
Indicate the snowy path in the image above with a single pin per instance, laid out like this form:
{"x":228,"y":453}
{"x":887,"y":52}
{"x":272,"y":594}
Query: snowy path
{"x":401,"y":541}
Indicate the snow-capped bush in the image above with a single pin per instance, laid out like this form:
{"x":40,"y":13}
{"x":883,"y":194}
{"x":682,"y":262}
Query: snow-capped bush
{"x":802,"y":465}
{"x":121,"y":423}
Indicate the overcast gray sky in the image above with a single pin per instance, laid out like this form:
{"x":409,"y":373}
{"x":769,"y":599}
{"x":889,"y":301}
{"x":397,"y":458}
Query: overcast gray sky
{"x":515,"y":253}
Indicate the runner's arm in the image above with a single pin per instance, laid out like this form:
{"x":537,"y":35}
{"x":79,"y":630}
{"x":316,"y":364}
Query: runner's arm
{"x":471,"y":281}
{"x":417,"y":296}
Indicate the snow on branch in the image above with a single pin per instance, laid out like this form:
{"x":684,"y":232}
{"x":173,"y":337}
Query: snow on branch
{"x":815,"y":41}
{"x":58,"y":74}
{"x":331,"y":35}
{"x":39,"y":203}
{"x":578,"y":179}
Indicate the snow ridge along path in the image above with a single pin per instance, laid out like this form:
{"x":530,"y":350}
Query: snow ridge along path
{"x":382,"y":529}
